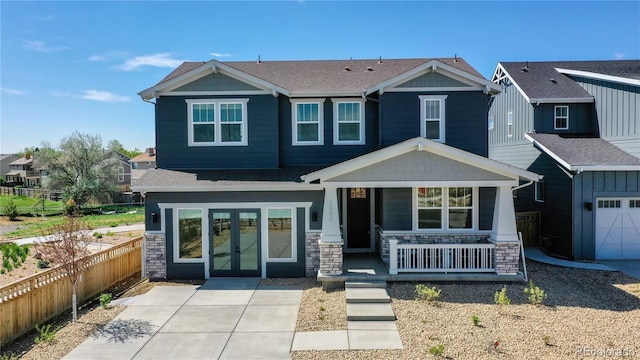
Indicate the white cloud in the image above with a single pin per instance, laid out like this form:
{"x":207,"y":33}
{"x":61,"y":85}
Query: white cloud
{"x":157,"y":60}
{"x":618,"y":56}
{"x":11,"y":91}
{"x":40,"y":46}
{"x":109,"y":56}
{"x":220,"y":55}
{"x":96,"y":95}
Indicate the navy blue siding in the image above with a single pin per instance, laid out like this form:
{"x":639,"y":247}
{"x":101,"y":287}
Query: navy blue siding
{"x":287,"y":269}
{"x":179,"y":270}
{"x":397,"y":209}
{"x":172,"y":137}
{"x":487,"y":200}
{"x":327,"y":154}
{"x":581,"y":120}
{"x":465,"y":119}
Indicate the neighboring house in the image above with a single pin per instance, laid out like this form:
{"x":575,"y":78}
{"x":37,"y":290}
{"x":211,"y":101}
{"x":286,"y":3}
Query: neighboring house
{"x":5,"y":160}
{"x":279,"y":168}
{"x":141,"y":163}
{"x":578,"y":124}
{"x":21,"y":171}
{"x":122,"y":179}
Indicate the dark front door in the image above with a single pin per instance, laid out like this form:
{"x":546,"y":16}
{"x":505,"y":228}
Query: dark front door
{"x":235,"y":242}
{"x":358,"y":219}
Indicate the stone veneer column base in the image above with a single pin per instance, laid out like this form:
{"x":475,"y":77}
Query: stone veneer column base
{"x":312,"y":252}
{"x":330,"y":258}
{"x":507,"y":258}
{"x":156,"y":260}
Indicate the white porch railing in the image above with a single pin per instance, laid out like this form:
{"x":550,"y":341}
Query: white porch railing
{"x":440,"y":257}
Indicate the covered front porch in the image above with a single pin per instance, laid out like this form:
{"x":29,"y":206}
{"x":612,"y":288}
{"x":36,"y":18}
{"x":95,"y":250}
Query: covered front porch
{"x":432,"y":212}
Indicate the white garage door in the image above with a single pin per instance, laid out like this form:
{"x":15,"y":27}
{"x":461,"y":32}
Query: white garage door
{"x":618,"y":228}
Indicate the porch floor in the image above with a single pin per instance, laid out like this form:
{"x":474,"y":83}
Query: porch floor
{"x":370,"y":267}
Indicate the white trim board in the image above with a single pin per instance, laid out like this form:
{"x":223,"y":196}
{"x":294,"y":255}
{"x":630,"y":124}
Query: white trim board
{"x":599,"y":76}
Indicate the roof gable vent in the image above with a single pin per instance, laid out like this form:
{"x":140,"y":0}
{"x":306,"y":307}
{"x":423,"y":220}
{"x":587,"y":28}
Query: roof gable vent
{"x":553,"y":80}
{"x":346,"y":68}
{"x":369,"y":68}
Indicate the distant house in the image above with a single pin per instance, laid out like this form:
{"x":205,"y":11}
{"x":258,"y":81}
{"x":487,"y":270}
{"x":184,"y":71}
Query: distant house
{"x":5,"y":160}
{"x":21,"y":172}
{"x":122,"y":179}
{"x":141,"y":163}
{"x":578,"y":124}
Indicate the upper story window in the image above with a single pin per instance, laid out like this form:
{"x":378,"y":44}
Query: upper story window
{"x":561,"y":118}
{"x":307,"y":122}
{"x":432,"y":117}
{"x":348,"y":122}
{"x":217,"y":122}
{"x":491,"y":122}
{"x":510,"y":124}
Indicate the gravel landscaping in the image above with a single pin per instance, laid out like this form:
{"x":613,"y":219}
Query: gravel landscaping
{"x":587,"y":314}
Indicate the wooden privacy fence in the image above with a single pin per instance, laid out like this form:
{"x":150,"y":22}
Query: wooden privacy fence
{"x":528,"y":223}
{"x":38,"y":298}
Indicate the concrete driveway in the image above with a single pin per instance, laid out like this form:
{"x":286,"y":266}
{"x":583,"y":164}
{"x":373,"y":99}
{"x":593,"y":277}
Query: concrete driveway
{"x":226,"y":318}
{"x":629,"y":267}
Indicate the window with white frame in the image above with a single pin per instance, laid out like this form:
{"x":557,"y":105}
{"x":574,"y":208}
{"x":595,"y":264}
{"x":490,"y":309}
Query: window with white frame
{"x":539,"y":191}
{"x":217,"y":122}
{"x":432,"y":117}
{"x":445,"y":208}
{"x":189,"y":234}
{"x":561,"y":118}
{"x":121,"y":174}
{"x":491,"y":122}
{"x":281,"y":240}
{"x":307,"y":122}
{"x":510,"y":124}
{"x":348,"y":122}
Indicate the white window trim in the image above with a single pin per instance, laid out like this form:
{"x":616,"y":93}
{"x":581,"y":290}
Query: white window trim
{"x":491,"y":122}
{"x":510,"y":124}
{"x":423,"y":108}
{"x":294,"y":245}
{"x":176,"y":236}
{"x":537,"y":194}
{"x":445,"y":212}
{"x":556,"y":117}
{"x":335,"y":121}
{"x":217,"y":123}
{"x":294,"y":121}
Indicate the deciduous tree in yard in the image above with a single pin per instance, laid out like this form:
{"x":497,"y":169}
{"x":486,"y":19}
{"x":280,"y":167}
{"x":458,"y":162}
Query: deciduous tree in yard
{"x":68,"y":247}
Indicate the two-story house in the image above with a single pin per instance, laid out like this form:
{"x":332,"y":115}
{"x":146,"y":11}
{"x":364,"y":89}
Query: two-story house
{"x":21,"y":171}
{"x":578,"y":124}
{"x":280,"y":168}
{"x":5,"y":160}
{"x":141,"y":163}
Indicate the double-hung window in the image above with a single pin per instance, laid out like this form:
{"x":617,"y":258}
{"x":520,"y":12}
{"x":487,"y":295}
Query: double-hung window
{"x":432,"y":117}
{"x":539,"y":191}
{"x":510,"y":124}
{"x":561,"y":118}
{"x":307,"y":122}
{"x":348,"y":122}
{"x":445,"y":208}
{"x":121,"y":174}
{"x":217,"y":122}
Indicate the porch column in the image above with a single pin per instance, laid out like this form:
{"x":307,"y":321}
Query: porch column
{"x":330,"y":242}
{"x":505,"y":234}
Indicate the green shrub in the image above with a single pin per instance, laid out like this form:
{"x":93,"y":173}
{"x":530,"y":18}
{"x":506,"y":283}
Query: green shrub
{"x":46,"y":333}
{"x":11,"y":210}
{"x":437,"y":350}
{"x":501,"y":297}
{"x":42,"y":264}
{"x":97,"y":235}
{"x":423,"y":292}
{"x":475,"y":319}
{"x":105,"y":299}
{"x":537,"y":296}
{"x":9,"y":356}
{"x":2,"y":271}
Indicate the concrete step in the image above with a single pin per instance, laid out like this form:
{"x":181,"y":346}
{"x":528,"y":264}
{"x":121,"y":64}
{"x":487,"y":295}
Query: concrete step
{"x":367,"y":295}
{"x":366,"y":284}
{"x":370,"y":312}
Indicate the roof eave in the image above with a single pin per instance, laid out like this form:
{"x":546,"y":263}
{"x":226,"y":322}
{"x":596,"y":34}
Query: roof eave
{"x":599,"y":76}
{"x":214,"y":187}
{"x":589,"y":99}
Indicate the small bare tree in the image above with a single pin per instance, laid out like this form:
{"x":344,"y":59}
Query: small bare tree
{"x":67,"y":247}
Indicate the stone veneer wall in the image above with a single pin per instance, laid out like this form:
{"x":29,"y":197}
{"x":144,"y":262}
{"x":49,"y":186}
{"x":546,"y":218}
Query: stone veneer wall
{"x":330,"y":258}
{"x":312,"y":252}
{"x":156,"y":260}
{"x":382,"y":240}
{"x":507,"y":258}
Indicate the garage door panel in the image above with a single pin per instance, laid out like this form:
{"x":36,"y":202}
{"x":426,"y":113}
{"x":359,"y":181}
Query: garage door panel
{"x":617,"y":228}
{"x":631,"y":235}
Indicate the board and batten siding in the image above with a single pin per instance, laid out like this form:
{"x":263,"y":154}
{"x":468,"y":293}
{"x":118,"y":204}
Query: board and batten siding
{"x":510,"y":100}
{"x":587,"y":187}
{"x":581,"y":120}
{"x":465,"y":118}
{"x":328,"y":153}
{"x":173,"y":150}
{"x":618,"y":112}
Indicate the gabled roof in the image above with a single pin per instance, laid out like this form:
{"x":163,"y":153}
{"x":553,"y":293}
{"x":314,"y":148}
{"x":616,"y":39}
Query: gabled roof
{"x":550,"y":81}
{"x":22,"y":161}
{"x":419,"y":144}
{"x":584,"y":152}
{"x":143,"y":157}
{"x":320,"y":77}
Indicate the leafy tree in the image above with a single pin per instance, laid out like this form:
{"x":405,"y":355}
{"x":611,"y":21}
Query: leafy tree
{"x":68,"y":247}
{"x":115,"y":145}
{"x":81,"y":169}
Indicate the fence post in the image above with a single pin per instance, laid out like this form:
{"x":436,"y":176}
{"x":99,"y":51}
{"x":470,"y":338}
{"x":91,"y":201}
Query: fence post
{"x":393,"y":256}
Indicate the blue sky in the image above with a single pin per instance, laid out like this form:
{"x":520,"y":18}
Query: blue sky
{"x":68,"y":66}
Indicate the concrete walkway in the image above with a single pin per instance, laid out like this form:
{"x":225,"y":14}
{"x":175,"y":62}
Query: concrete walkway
{"x":115,"y":229}
{"x":226,"y":318}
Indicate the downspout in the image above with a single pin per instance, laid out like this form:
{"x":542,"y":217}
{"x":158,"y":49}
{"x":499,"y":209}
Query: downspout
{"x":524,"y":263}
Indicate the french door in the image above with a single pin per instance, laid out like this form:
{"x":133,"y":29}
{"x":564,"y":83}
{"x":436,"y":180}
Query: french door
{"x":235,"y":242}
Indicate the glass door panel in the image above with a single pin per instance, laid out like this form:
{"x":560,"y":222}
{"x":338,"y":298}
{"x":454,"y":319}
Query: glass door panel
{"x":248,"y":244}
{"x":221,"y":226}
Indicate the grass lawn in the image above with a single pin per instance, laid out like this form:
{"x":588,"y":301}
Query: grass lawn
{"x":28,"y":205}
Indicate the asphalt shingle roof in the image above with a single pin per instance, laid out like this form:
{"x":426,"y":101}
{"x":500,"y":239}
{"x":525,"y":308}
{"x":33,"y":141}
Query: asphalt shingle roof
{"x":584,"y":150}
{"x":534,"y":78}
{"x":328,"y":75}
